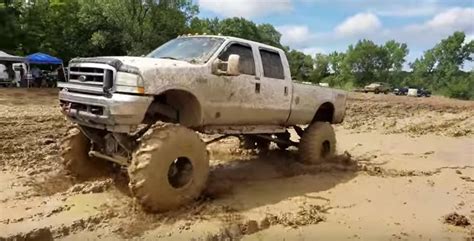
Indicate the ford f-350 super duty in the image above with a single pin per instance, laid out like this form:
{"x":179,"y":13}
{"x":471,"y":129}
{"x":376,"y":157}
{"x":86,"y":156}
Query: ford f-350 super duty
{"x":144,"y":113}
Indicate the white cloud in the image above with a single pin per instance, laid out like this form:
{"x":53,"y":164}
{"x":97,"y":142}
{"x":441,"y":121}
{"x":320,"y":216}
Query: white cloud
{"x":455,"y":17}
{"x":361,"y":23}
{"x":245,"y":8}
{"x":294,"y":35}
{"x":406,"y":8}
{"x":440,"y":26}
{"x":388,"y":8}
{"x":469,"y":38}
{"x":313,"y":51}
{"x":401,"y":11}
{"x":419,"y":37}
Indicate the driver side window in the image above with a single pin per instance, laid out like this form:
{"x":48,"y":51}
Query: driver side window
{"x":247,"y":63}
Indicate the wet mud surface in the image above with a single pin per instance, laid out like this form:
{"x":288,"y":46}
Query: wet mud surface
{"x":404,"y":171}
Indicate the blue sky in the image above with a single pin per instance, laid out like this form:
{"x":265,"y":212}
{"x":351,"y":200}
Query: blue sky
{"x":323,"y":26}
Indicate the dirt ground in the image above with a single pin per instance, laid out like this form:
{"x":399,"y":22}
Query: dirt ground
{"x":405,"y":171}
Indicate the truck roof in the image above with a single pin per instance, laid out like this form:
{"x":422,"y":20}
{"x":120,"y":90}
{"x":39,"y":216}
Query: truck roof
{"x":234,"y":39}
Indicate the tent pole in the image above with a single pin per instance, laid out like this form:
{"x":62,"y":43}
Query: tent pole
{"x":27,"y":79}
{"x":64,"y":73}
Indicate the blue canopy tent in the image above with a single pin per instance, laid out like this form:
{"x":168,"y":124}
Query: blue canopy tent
{"x":42,"y":58}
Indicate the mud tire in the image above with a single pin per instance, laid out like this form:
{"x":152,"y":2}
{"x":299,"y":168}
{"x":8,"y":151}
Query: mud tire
{"x":75,"y":149}
{"x":318,"y":143}
{"x":158,"y":155}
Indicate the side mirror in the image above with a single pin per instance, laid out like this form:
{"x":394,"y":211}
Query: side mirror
{"x":233,"y":65}
{"x":230,"y":67}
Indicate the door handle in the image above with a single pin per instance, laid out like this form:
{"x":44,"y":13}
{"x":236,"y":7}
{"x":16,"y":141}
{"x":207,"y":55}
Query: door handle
{"x":257,"y":88}
{"x":285,"y":91}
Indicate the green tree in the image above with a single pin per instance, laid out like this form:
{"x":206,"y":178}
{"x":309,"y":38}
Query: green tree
{"x":269,"y":35}
{"x":366,"y":62}
{"x":440,"y":67}
{"x":321,"y":68}
{"x":204,"y":26}
{"x":339,"y":75}
{"x":397,"y":53}
{"x":70,"y":28}
{"x":10,"y":30}
{"x":336,"y":62}
{"x":301,"y":65}
{"x":237,"y":27}
{"x":147,"y":24}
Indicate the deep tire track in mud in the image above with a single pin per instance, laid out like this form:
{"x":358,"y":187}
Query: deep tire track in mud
{"x":415,"y":116}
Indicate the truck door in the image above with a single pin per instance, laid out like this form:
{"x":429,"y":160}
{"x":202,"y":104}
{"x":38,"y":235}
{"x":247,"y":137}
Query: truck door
{"x":235,"y":101}
{"x":275,"y":91}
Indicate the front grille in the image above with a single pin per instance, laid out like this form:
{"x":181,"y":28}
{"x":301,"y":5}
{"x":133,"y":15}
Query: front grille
{"x":92,"y":76}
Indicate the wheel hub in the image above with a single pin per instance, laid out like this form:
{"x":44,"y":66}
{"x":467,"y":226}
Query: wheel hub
{"x":325,"y":148}
{"x":180,"y":172}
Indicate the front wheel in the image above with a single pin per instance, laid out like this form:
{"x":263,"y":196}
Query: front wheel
{"x":318,"y":143}
{"x":75,"y":149}
{"x":169,"y":169}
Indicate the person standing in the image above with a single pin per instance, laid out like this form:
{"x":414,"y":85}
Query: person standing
{"x":22,"y":76}
{"x":36,"y":73}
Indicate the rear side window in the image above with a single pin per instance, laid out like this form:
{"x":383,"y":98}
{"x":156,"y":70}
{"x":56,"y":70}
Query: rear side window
{"x":272,"y":65}
{"x":247,"y":63}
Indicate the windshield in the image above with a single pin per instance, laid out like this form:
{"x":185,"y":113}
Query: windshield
{"x":193,"y":49}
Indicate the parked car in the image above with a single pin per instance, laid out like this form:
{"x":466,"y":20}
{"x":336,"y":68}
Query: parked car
{"x":401,"y":91}
{"x":423,"y":92}
{"x":377,"y":87}
{"x":420,"y":92}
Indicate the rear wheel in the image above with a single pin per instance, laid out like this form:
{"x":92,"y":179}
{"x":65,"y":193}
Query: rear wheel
{"x":169,"y":169}
{"x":318,"y":143}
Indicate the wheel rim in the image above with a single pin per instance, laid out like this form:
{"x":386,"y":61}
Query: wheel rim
{"x":325,"y":148}
{"x":180,"y":172}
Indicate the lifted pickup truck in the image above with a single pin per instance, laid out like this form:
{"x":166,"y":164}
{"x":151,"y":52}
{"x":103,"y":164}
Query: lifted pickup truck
{"x":143,"y":112}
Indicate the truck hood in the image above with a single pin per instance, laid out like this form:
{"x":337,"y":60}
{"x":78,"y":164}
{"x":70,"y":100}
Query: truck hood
{"x":158,"y":74}
{"x":135,"y":64}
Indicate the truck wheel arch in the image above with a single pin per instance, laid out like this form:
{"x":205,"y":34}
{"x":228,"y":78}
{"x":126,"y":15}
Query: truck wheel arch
{"x":325,"y":113}
{"x":184,"y":102}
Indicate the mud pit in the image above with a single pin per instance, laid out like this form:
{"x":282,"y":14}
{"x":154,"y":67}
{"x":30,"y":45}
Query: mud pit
{"x":404,"y":165}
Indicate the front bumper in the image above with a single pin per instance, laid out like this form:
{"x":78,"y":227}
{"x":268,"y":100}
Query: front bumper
{"x":118,"y":113}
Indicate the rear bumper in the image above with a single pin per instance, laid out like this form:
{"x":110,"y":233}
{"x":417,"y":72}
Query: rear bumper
{"x":118,"y":113}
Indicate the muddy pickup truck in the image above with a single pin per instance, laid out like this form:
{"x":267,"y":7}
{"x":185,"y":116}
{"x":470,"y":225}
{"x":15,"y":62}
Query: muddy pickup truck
{"x":143,"y":113}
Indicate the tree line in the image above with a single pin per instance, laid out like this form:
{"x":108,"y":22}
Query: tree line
{"x":71,"y":28}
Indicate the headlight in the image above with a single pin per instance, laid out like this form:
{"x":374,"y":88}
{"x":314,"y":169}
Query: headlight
{"x":129,"y":83}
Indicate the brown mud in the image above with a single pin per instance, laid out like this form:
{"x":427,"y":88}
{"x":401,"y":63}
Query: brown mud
{"x":404,"y":167}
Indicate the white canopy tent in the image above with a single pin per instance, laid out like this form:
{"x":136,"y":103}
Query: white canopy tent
{"x":4,"y":57}
{"x":7,"y":73}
